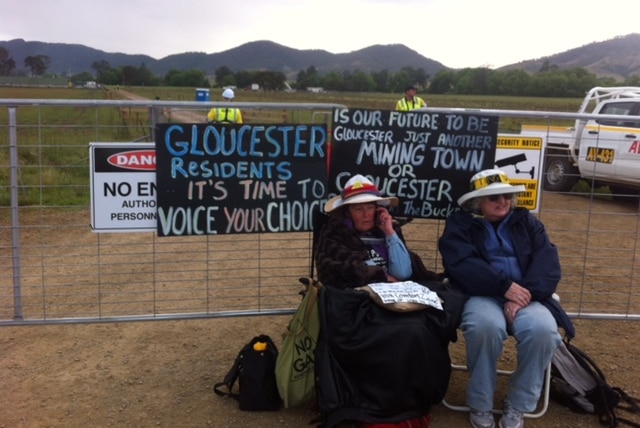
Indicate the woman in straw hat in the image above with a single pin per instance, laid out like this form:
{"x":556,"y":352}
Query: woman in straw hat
{"x":360,"y":245}
{"x":502,"y":258}
{"x":376,"y":367}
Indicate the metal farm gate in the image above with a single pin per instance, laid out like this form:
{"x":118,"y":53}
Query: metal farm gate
{"x":55,"y":269}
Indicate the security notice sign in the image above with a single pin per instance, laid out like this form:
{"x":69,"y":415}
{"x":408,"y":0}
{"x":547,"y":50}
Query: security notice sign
{"x":123,"y":187}
{"x":521,"y":159}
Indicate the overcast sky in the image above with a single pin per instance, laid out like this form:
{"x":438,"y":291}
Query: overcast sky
{"x":457,"y":33}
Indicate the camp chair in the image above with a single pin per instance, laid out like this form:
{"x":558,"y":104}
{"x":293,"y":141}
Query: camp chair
{"x":543,"y":404}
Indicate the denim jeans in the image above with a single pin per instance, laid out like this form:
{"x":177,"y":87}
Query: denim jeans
{"x":485,"y":329}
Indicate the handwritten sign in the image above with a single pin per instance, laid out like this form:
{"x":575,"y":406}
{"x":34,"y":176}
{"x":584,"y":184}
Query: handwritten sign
{"x":223,"y":179}
{"x":406,"y":292}
{"x":425,"y":159}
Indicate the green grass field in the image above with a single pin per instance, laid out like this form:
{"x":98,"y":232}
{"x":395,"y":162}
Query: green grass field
{"x":53,"y":141}
{"x":369,"y":100}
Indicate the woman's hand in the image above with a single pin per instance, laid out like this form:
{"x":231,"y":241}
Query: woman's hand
{"x":384,"y":221}
{"x":518,"y":295}
{"x":510,"y":311}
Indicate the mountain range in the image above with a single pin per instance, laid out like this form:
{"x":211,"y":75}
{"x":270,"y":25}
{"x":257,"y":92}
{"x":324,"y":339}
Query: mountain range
{"x":618,"y":58}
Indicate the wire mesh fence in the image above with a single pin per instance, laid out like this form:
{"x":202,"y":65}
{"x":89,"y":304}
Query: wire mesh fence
{"x":55,"y":269}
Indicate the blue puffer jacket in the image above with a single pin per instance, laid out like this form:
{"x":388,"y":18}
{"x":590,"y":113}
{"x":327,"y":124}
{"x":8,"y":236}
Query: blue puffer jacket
{"x":466,"y":261}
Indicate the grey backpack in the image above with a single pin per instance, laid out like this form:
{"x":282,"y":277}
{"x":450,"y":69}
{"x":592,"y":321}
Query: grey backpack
{"x":578,"y":382}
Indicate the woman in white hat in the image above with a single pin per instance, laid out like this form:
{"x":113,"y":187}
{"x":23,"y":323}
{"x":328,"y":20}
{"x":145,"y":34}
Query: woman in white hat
{"x":374,"y":366}
{"x":360,"y":240}
{"x":502,"y":258}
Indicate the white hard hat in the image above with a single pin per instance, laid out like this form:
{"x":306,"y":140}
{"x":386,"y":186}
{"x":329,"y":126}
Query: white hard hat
{"x":228,"y":94}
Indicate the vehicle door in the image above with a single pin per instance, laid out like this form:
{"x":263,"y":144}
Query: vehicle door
{"x":604,"y":140}
{"x":628,"y":160}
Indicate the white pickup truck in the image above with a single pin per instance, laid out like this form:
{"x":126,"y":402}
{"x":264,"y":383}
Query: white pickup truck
{"x":605,"y":151}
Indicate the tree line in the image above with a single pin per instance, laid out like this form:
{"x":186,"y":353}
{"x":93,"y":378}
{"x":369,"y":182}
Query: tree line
{"x":548,"y":81}
{"x":37,"y":64}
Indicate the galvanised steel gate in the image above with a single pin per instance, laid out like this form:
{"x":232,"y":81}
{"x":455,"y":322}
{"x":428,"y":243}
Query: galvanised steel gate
{"x":55,"y":269}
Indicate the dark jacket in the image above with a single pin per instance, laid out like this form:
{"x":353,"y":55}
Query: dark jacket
{"x":379,"y":366}
{"x":467,"y":263}
{"x":340,"y":258}
{"x":372,"y":364}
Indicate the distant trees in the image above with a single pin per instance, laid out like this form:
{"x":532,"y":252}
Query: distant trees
{"x":83,"y":76}
{"x":361,"y":81}
{"x":38,"y":64}
{"x":7,"y":64}
{"x":102,"y":68}
{"x":224,"y":77}
{"x":126,"y":75}
{"x":186,"y":78}
{"x":308,"y":78}
{"x":633,"y":80}
{"x":548,"y":81}
{"x":268,"y":80}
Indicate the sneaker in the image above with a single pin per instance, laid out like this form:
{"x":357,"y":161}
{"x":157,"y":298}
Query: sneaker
{"x":511,"y":418}
{"x":481,"y":419}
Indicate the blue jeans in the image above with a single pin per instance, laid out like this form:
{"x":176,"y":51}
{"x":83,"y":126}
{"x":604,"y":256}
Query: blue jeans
{"x":485,"y":329}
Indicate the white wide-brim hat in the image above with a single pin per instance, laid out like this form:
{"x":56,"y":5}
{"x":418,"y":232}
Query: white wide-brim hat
{"x":358,"y":190}
{"x":489,"y":182}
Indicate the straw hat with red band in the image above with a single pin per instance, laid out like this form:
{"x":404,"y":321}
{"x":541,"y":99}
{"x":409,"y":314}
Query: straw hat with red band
{"x":358,"y":190}
{"x":489,"y":182}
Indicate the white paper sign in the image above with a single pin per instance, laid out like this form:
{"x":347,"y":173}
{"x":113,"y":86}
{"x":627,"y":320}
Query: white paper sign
{"x":123,"y":187}
{"x":406,"y":292}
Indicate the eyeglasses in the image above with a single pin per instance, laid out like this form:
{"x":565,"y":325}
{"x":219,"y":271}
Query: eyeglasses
{"x":494,"y":198}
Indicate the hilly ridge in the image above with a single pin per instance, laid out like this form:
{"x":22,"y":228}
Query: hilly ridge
{"x":618,"y":58}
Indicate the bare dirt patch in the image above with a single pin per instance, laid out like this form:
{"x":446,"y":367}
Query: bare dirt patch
{"x":161,"y":373}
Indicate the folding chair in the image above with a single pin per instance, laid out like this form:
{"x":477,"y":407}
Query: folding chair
{"x":543,"y":404}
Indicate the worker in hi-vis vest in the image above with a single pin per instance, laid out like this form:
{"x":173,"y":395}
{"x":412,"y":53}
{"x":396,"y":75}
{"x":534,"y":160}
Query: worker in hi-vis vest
{"x":410,"y":101}
{"x":225,"y":114}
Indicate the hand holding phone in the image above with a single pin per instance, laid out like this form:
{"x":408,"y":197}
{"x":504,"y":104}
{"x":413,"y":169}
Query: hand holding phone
{"x":384,"y":221}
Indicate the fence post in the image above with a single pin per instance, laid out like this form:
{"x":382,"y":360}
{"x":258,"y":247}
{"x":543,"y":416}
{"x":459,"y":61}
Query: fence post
{"x":15,"y":223}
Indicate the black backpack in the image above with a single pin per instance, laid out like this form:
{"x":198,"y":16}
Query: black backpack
{"x":254,"y":368}
{"x":578,"y":383}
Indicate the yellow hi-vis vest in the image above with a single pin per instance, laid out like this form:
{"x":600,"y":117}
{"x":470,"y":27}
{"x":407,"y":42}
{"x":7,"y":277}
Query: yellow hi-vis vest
{"x":404,"y":105}
{"x":224,"y":115}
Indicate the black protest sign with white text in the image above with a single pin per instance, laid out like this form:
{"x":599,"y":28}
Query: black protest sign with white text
{"x":425,"y":159}
{"x":221,"y":179}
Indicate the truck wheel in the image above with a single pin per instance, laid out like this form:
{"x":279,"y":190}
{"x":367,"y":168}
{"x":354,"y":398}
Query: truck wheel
{"x":559,"y":174}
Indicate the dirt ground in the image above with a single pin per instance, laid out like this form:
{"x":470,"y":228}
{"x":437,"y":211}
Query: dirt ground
{"x":161,"y":374}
